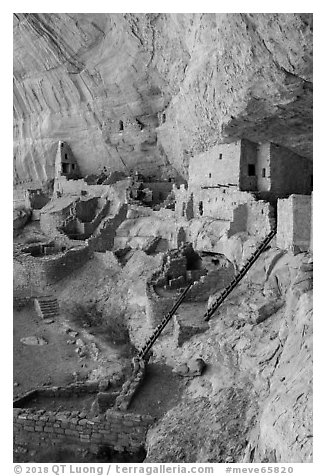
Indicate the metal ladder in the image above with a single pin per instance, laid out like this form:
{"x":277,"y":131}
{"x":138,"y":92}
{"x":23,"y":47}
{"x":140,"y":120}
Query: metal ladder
{"x":208,"y":314}
{"x":158,"y":330}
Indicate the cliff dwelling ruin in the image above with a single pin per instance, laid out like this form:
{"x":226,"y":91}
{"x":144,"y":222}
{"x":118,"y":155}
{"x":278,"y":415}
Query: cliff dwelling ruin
{"x":163,"y":251}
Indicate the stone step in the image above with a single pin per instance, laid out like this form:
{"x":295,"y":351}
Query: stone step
{"x":53,"y":311}
{"x":47,"y":307}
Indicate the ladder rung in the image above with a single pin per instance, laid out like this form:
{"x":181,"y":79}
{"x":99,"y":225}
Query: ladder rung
{"x":240,"y":275}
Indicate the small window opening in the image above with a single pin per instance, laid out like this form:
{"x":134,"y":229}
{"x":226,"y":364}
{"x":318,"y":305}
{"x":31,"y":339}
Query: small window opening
{"x":66,"y":156}
{"x":141,"y":125}
{"x":220,"y":156}
{"x":201,"y":208}
{"x":209,"y":175}
{"x":120,"y":125}
{"x":263,"y":173}
{"x":251,"y":170}
{"x":163,"y":117}
{"x":73,"y":166}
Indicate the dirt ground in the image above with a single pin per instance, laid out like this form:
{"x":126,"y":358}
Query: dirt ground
{"x":160,"y":391}
{"x":53,"y":364}
{"x":58,"y":364}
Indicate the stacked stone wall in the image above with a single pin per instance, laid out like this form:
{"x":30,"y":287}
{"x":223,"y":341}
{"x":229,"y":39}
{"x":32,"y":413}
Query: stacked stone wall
{"x":21,"y":198}
{"x":103,"y":239}
{"x":294,"y":222}
{"x":182,"y":197}
{"x":248,"y":157}
{"x":220,"y":165}
{"x":160,"y":190}
{"x":33,"y":274}
{"x":131,"y":386}
{"x":37,"y":429}
{"x":219,"y":202}
{"x":157,"y":307}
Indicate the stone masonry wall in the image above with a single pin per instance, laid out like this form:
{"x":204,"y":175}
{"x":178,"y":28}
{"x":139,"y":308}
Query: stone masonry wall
{"x":103,"y":238}
{"x":33,"y":274}
{"x":294,"y":221}
{"x":263,"y":168}
{"x":248,"y":157}
{"x":160,"y":190}
{"x":131,"y":386}
{"x":54,"y":213}
{"x":181,"y":199}
{"x":37,"y":429}
{"x":21,"y":198}
{"x":228,"y":204}
{"x":59,"y":266}
{"x":220,"y":165}
{"x":156,"y":307}
{"x":219,"y":203}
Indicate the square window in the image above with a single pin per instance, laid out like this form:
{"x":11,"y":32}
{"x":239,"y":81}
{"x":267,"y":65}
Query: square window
{"x":251,"y":170}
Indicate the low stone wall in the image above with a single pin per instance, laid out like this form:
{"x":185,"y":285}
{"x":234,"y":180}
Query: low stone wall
{"x":36,"y":429}
{"x":210,"y":283}
{"x":184,"y":330}
{"x":21,"y":198}
{"x":21,"y":301}
{"x":33,"y":274}
{"x":160,"y":190}
{"x":241,"y":209}
{"x":103,"y":239}
{"x":157,"y":307}
{"x":130,"y":387}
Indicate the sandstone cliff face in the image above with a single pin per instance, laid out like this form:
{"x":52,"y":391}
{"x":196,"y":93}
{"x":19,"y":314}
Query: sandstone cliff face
{"x":178,"y":83}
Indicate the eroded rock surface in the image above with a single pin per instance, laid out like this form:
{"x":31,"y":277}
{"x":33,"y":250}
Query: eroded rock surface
{"x":178,"y":82}
{"x":254,"y":401}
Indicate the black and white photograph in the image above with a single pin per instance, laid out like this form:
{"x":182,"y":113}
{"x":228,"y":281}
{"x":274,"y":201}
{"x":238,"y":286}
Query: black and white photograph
{"x":162,"y":239}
